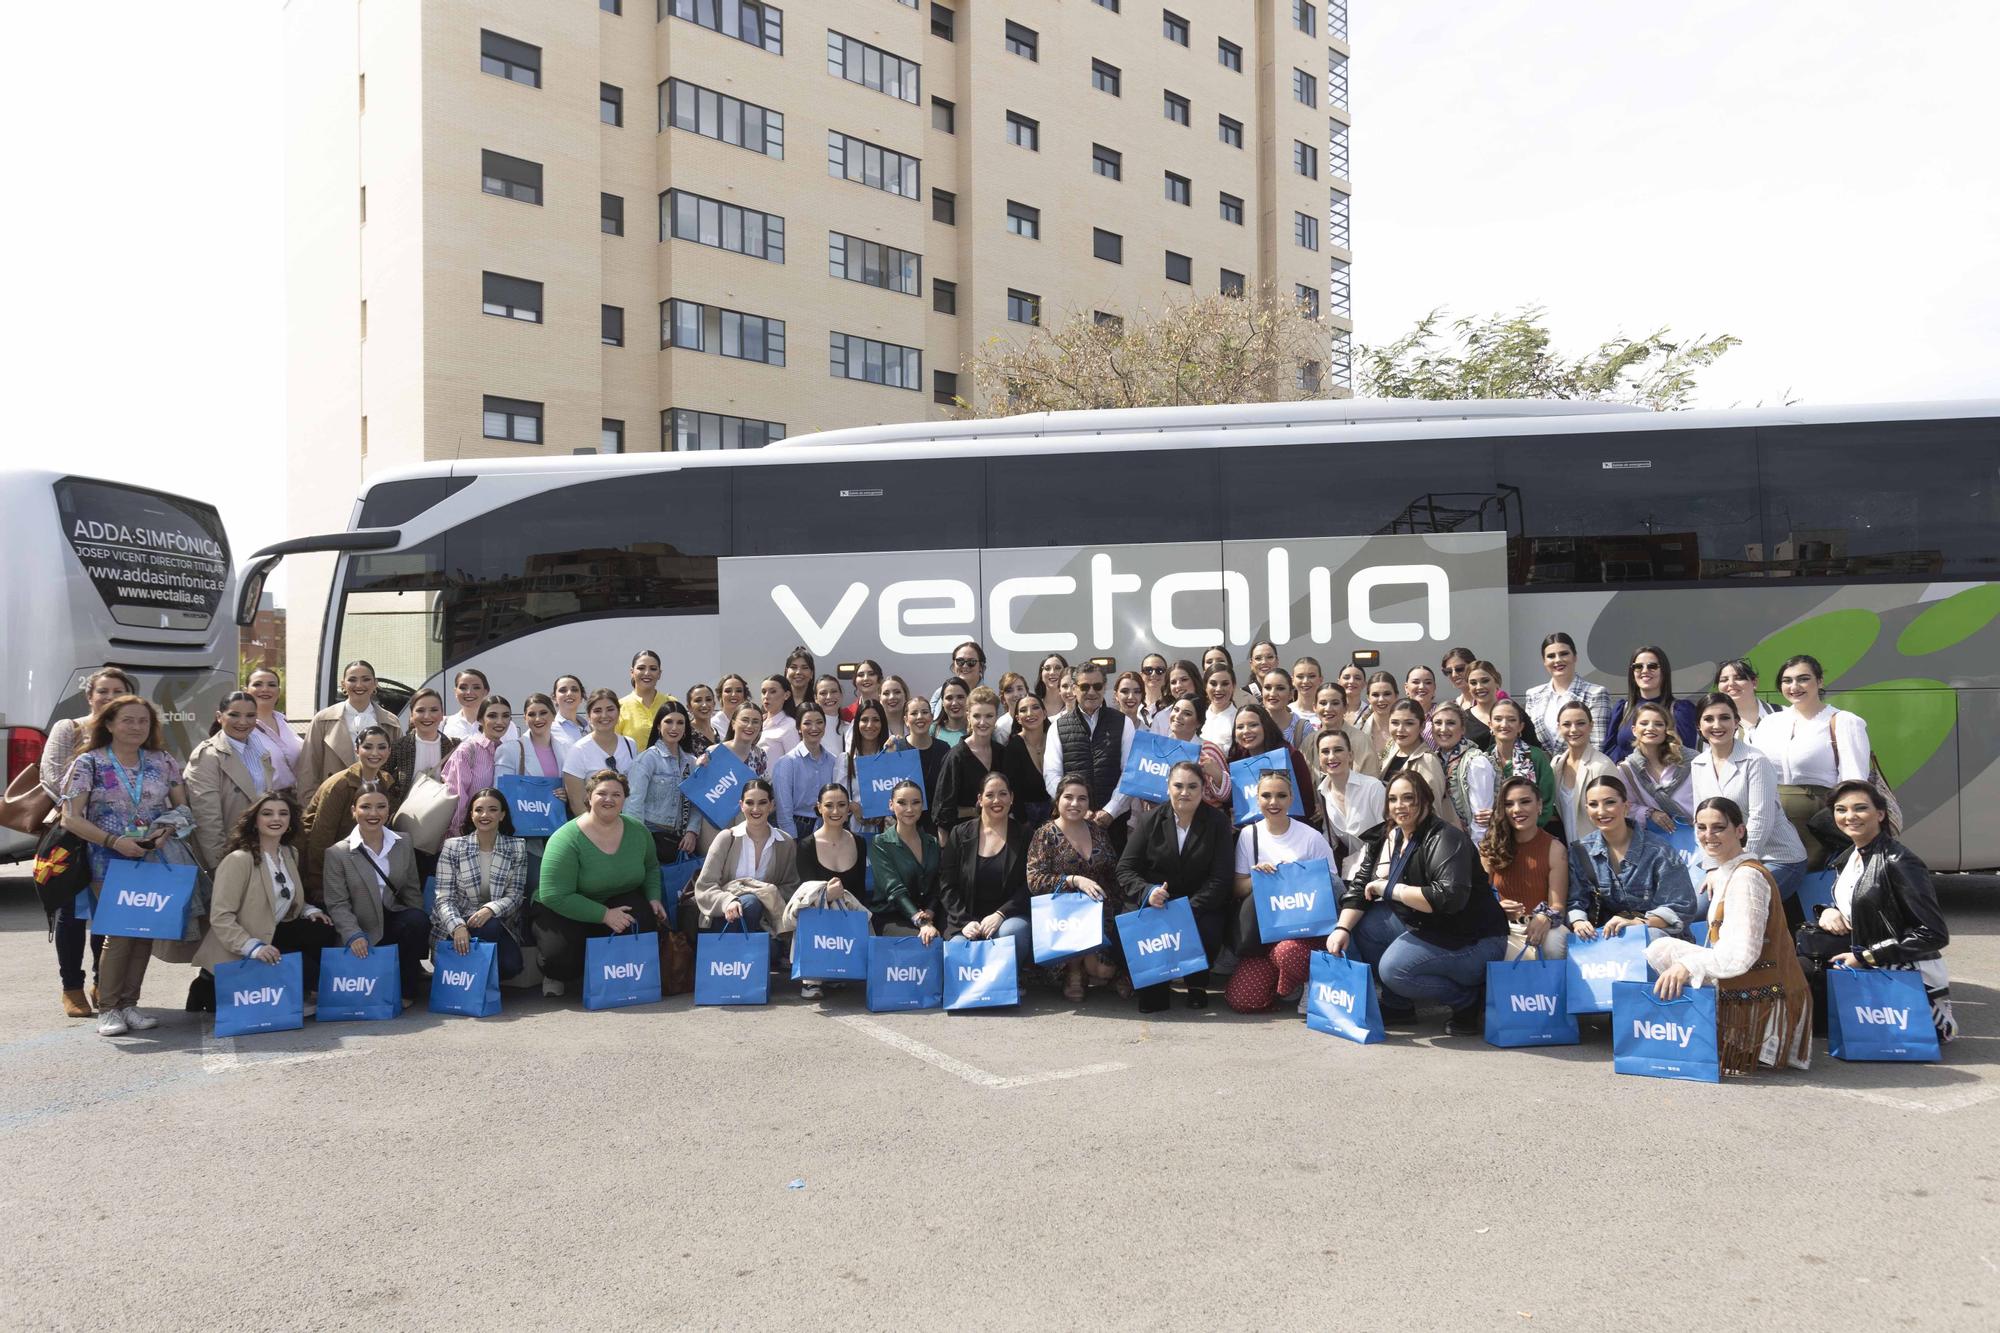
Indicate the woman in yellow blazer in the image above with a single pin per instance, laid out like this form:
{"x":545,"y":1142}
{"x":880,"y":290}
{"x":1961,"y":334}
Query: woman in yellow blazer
{"x":330,"y":737}
{"x":258,"y":909}
{"x":225,"y":775}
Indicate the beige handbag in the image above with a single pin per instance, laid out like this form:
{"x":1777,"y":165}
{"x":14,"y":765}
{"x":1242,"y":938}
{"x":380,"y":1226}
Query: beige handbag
{"x":25,"y":807}
{"x":425,"y":816}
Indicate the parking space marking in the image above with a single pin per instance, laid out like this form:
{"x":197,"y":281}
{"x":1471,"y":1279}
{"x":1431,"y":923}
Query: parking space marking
{"x":1951,"y":1101}
{"x":972,"y":1074}
{"x":221,"y":1055}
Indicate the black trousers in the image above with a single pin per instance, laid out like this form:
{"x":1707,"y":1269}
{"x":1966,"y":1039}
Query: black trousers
{"x":561,"y":940}
{"x":409,"y":929}
{"x":305,"y":938}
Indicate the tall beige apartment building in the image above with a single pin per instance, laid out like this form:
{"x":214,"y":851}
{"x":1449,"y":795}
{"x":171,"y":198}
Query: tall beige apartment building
{"x":536,"y":227}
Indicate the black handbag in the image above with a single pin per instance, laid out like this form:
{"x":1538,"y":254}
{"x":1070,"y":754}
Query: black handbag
{"x":1818,"y":948}
{"x":62,"y":870}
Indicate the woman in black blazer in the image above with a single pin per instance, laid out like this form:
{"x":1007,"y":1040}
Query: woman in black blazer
{"x":983,"y":874}
{"x":1183,"y":849}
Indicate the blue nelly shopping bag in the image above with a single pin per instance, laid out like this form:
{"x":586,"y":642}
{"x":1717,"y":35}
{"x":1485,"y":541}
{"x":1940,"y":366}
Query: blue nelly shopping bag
{"x":621,"y":970}
{"x":1161,"y":943}
{"x":1684,"y":851}
{"x":535,"y":803}
{"x":1815,"y":892}
{"x":260,"y":997}
{"x":1596,"y":965}
{"x":1153,"y":757}
{"x":1244,"y":775}
{"x":1063,"y":925}
{"x":467,"y":983}
{"x":145,"y":900}
{"x":675,"y":876}
{"x":980,"y":974}
{"x":904,"y":973}
{"x":1340,"y":998}
{"x":1295,"y":903}
{"x":830,"y":946}
{"x":732,"y":966}
{"x":361,"y":990}
{"x":1527,"y":1004}
{"x":878,"y":774}
{"x":1665,"y":1038}
{"x":715,"y":789}
{"x":1876,"y":1014}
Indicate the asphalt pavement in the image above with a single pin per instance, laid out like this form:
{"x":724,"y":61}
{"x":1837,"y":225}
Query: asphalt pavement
{"x":810,"y":1165}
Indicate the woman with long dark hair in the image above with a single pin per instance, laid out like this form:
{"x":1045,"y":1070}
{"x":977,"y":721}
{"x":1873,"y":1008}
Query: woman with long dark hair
{"x":656,"y":777}
{"x":1813,"y":746}
{"x":278,"y":736}
{"x":1648,"y":679}
{"x":335,"y":731}
{"x":636,"y":710}
{"x":1255,"y":733}
{"x":482,"y":886}
{"x":1737,"y":678}
{"x":1530,"y":872}
{"x":258,"y":909}
{"x":1183,"y":682}
{"x":1620,"y":875}
{"x":1729,"y":766}
{"x":226,"y":773}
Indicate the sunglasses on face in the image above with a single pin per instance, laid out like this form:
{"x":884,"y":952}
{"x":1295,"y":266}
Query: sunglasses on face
{"x":1152,"y":671}
{"x":966,"y":662}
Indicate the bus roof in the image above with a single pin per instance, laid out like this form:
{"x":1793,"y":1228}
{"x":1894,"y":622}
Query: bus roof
{"x":1343,"y":422}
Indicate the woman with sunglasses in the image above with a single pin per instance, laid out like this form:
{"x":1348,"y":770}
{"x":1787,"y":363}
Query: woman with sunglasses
{"x":636,"y":710}
{"x":277,"y":734}
{"x":259,"y":908}
{"x":1455,"y":665}
{"x":1648,"y":679}
{"x":1814,"y":747}
{"x":1153,"y":681}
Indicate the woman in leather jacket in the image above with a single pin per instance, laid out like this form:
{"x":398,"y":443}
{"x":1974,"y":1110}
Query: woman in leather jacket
{"x":1421,"y":912}
{"x":1884,"y":911}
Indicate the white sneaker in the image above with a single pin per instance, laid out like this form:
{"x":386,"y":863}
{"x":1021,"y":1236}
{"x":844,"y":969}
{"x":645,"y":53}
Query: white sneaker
{"x":552,"y":987}
{"x":113,"y":1024}
{"x":1302,"y":1002}
{"x":808,"y":990}
{"x":137,"y":1021}
{"x":311,"y":1008}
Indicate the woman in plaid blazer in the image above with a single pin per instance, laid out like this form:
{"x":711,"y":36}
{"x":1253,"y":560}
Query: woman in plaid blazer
{"x":482,"y":885}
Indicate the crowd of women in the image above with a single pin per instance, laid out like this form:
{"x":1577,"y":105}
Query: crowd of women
{"x":1459,"y":825}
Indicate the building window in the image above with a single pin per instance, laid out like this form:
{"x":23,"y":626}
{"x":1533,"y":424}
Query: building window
{"x":1231,"y":283}
{"x":610,"y":434}
{"x":1022,"y":41}
{"x":1336,"y":147}
{"x":944,"y":116}
{"x":870,"y":164}
{"x":1179,"y":268}
{"x":694,"y":327}
{"x":746,"y":20}
{"x":1111,"y":5}
{"x":1180,"y":190}
{"x":511,"y":419}
{"x":1174,"y":27}
{"x":1105,"y":78}
{"x":1024,"y":221}
{"x":1107,"y":245}
{"x":1343,"y":287}
{"x":612,"y":7}
{"x":1339,"y":220}
{"x":944,"y":23}
{"x":610,"y":104}
{"x":1304,"y":160}
{"x":871,"y":67}
{"x":511,"y":298}
{"x":887,"y":364}
{"x":1229,"y":130}
{"x":1304,"y":17}
{"x":874,"y":265}
{"x":1023,"y":307}
{"x":1228,"y":54}
{"x":512,"y":60}
{"x":687,"y":431}
{"x":611,"y":325}
{"x":1305,"y":230}
{"x":1309,"y":377}
{"x":713,"y":115}
{"x":1107,"y":162}
{"x":1177,"y":108}
{"x":1232,"y":209}
{"x":1308,"y":299}
{"x":1304,"y":90}
{"x":944,"y":296}
{"x":705,"y":221}
{"x":1104,"y":319}
{"x":944,"y":207}
{"x":611,"y":215}
{"x":510,"y":177}
{"x":1336,"y":78}
{"x":1023,"y":132}
{"x":944,"y":387}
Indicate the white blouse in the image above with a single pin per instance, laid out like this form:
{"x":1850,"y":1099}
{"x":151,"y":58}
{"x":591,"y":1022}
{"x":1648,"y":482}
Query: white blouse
{"x":1747,"y":778}
{"x":585,"y":758}
{"x":1220,"y":728}
{"x":1819,"y":751}
{"x":752,"y":864}
{"x":1744,"y":901}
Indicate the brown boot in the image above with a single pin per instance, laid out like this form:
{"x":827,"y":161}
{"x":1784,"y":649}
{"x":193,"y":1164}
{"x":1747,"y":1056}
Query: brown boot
{"x":75,"y":1005}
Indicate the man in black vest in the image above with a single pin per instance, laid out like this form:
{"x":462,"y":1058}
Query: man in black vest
{"x":1092,"y":741}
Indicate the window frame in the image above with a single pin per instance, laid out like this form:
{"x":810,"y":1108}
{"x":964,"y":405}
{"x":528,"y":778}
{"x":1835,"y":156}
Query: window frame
{"x":493,"y":283}
{"x":510,"y":54}
{"x":1026,"y":223}
{"x":512,"y":410}
{"x":1022,"y":40}
{"x":1176,"y":108}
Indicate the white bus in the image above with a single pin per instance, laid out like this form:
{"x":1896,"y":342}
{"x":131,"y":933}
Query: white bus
{"x":100,"y":572}
{"x":1868,"y":536}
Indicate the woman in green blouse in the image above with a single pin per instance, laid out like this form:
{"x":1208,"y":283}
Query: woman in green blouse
{"x":600,"y":876}
{"x":904,"y":858}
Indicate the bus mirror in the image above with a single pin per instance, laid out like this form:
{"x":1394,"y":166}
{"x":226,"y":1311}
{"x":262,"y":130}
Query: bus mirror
{"x":250,"y":590}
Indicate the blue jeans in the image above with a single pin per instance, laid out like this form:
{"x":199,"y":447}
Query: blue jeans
{"x":1016,"y":928}
{"x":1411,"y":969}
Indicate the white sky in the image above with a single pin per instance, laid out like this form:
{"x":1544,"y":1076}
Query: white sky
{"x":1815,"y":178}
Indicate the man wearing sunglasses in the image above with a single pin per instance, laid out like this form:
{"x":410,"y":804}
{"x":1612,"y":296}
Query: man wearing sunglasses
{"x":1094,"y":742}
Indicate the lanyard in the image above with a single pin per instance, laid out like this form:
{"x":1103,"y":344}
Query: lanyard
{"x":1399,"y":860}
{"x":134,"y":784}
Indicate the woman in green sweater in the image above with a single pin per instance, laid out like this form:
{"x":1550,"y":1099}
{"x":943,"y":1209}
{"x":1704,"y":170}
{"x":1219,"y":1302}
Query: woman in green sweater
{"x":600,"y":876}
{"x":904,"y":858}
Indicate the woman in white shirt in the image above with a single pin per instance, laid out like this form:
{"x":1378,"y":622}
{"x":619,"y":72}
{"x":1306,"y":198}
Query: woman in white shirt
{"x":600,"y":749}
{"x":279,"y":738}
{"x":1813,"y":747}
{"x":1763,"y":1011}
{"x":1264,"y":973}
{"x":1731,"y":767}
{"x":1351,"y":801}
{"x":471,"y":687}
{"x":540,"y":751}
{"x":568,"y":694}
{"x":780,"y":730}
{"x":1545,"y":702}
{"x":1183,"y":682}
{"x":1220,"y":725}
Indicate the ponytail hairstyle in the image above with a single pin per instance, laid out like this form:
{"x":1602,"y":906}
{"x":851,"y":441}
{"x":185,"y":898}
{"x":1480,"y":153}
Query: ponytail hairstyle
{"x":233,"y":696}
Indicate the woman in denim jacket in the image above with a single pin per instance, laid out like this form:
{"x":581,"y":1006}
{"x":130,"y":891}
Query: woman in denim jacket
{"x":1622,"y":874}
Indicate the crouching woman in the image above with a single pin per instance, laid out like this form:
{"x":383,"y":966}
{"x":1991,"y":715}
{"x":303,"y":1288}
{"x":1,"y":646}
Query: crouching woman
{"x":259,"y":907}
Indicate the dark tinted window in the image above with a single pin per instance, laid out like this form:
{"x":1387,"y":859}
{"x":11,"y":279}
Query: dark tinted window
{"x":824,"y":508}
{"x":1898,"y":500}
{"x":1093,"y":499}
{"x":1337,"y":490}
{"x":1638,"y":507}
{"x":391,"y":502}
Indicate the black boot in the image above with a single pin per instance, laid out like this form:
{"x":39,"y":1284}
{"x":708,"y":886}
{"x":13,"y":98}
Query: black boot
{"x":201,"y":993}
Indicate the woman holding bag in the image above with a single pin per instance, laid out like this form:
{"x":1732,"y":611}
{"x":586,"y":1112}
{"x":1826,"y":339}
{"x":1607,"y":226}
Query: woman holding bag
{"x":124,"y":797}
{"x":481,"y":762}
{"x":375,"y":895}
{"x":600,"y":876}
{"x":983,"y":879}
{"x":482,"y":885}
{"x":1622,"y":876}
{"x":259,"y":908}
{"x":905,"y":860}
{"x":751,"y":871}
{"x":1763,"y":1009}
{"x":422,"y":750}
{"x":1071,"y":853}
{"x":832,"y":867}
{"x":224,"y":776}
{"x":1267,"y":972}
{"x":656,"y":778}
{"x":66,"y":738}
{"x":1182,"y":849}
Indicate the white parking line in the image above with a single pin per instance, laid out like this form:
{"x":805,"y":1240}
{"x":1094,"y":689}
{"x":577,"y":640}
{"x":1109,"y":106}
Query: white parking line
{"x":221,"y":1055}
{"x":1950,"y":1101}
{"x":951,"y":1064}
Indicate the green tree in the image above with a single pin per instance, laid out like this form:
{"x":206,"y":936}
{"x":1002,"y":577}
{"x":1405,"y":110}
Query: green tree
{"x":1510,"y":356}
